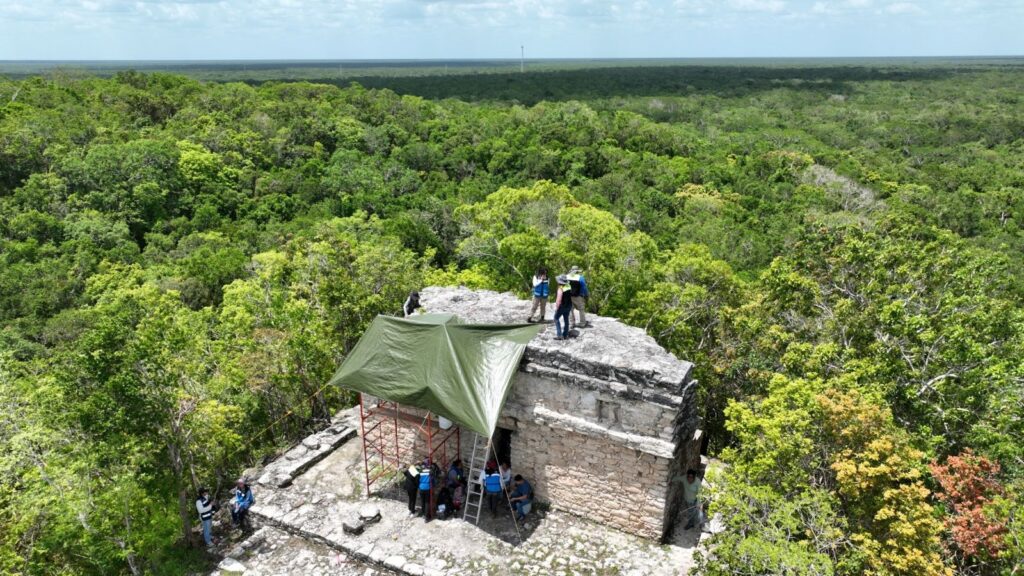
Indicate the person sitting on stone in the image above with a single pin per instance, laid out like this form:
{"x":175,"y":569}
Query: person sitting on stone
{"x":458,"y":498}
{"x":444,"y":503}
{"x":691,"y":500}
{"x":522,"y":497}
{"x":242,"y":502}
{"x":493,"y":489}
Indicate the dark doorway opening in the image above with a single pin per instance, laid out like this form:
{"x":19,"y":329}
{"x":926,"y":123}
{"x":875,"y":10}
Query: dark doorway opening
{"x":502,"y":442}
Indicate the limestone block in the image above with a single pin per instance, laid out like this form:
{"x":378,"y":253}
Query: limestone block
{"x":396,"y":562}
{"x":369,"y":514}
{"x":229,"y":567}
{"x":353,"y":526}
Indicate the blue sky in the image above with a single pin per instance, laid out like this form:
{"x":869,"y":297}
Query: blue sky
{"x":351,"y":29}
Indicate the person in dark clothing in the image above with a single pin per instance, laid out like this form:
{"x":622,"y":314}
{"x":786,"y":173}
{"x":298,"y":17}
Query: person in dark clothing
{"x":456,"y":476}
{"x":563,"y":308}
{"x":444,"y":503}
{"x":412,"y":486}
{"x":412,"y":303}
{"x":522,"y":497}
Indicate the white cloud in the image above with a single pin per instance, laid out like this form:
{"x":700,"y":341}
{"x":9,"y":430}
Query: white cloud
{"x":904,"y":8}
{"x":758,"y":5}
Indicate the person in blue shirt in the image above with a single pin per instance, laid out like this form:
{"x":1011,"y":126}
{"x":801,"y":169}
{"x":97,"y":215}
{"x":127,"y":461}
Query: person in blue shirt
{"x":522,"y":497}
{"x":494,"y":489}
{"x":426,"y":486}
{"x":242,"y":502}
{"x":540,"y":295}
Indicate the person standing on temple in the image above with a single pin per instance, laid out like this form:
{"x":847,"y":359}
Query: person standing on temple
{"x":540,"y":295}
{"x":563,"y":308}
{"x":580,"y":293}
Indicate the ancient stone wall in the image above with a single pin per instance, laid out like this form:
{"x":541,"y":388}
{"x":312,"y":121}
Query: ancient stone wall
{"x":593,"y":477}
{"x":687,"y":454}
{"x":599,"y":449}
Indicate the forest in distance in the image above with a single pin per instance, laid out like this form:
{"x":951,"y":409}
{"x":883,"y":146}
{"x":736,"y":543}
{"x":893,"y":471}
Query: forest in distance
{"x":837,"y":248}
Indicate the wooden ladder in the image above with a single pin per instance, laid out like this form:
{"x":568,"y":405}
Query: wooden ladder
{"x":474,"y":489}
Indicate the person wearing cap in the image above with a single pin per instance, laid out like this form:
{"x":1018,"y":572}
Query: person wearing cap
{"x":242,"y":502}
{"x":206,"y":507}
{"x":540,"y":295}
{"x":580,"y":293}
{"x":563,"y":308}
{"x":691,"y":492}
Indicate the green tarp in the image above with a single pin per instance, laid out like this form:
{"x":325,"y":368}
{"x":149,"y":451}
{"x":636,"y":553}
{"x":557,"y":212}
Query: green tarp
{"x":432,"y":361}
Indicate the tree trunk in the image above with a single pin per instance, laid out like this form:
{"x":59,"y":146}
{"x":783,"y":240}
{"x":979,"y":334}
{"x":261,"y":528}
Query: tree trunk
{"x":184,"y":511}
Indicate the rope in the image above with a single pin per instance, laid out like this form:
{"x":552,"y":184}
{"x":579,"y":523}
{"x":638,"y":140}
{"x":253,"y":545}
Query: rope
{"x":508,"y":499}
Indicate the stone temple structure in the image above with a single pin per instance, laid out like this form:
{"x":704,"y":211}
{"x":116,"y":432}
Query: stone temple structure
{"x":604,"y":425}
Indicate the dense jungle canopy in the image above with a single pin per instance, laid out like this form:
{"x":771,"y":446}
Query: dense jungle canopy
{"x":184,"y":264}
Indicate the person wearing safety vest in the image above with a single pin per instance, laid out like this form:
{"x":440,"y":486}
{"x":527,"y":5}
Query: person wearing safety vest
{"x":206,"y":507}
{"x":540,"y":295}
{"x":426,"y":484}
{"x":579,"y":293}
{"x":563,"y":308}
{"x":494,"y":488}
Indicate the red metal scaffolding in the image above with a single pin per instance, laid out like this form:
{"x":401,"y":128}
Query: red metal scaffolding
{"x":382,"y":423}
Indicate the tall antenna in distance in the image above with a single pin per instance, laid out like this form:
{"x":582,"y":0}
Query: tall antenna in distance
{"x":522,"y":58}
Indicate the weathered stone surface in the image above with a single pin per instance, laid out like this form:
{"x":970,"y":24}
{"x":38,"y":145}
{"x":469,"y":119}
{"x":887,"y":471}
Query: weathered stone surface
{"x":230,"y":567}
{"x":307,"y":453}
{"x":609,"y":349}
{"x":274,"y":552}
{"x":369,"y":514}
{"x":395,"y":562}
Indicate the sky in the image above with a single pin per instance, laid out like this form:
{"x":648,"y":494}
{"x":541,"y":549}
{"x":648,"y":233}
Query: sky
{"x":457,"y":29}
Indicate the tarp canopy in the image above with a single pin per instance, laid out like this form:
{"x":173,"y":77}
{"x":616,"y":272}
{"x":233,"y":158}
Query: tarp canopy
{"x":432,"y":361}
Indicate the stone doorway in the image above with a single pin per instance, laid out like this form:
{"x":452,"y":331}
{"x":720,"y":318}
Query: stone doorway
{"x":502,"y":442}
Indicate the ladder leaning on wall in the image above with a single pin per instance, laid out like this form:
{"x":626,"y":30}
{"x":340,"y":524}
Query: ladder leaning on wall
{"x":474,"y":488}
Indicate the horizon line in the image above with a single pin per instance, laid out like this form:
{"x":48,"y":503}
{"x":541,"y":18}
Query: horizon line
{"x":505,"y":59}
